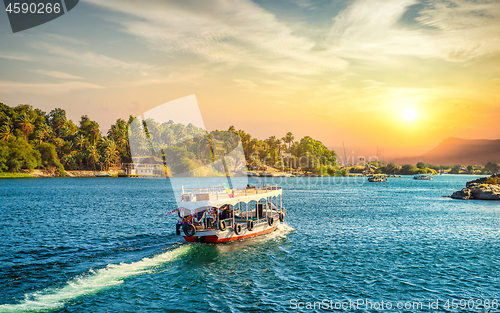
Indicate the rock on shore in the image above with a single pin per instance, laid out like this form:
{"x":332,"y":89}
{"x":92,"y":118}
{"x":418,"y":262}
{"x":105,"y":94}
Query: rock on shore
{"x":478,"y":189}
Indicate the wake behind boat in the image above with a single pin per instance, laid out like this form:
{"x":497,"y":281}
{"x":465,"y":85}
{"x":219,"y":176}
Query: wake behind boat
{"x":218,"y":214}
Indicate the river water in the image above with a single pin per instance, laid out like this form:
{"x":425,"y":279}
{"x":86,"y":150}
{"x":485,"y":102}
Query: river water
{"x":105,"y":245}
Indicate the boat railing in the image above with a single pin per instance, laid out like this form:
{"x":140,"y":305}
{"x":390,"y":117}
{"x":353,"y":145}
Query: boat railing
{"x":219,"y":192}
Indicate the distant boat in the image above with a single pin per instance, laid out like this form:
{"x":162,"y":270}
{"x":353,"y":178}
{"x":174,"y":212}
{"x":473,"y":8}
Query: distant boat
{"x":104,"y":175}
{"x":422,"y":176}
{"x":377,"y":179}
{"x":252,"y":174}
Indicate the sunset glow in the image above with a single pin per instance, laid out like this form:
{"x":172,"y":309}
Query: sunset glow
{"x":409,"y":114}
{"x":336,"y":71}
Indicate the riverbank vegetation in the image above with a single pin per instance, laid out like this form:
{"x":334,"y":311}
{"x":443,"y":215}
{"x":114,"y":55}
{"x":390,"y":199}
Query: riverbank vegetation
{"x":15,"y":175}
{"x":422,"y":168}
{"x":33,"y":139}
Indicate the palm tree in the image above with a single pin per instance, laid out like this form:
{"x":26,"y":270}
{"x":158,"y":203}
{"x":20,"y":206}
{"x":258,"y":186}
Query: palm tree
{"x":45,"y":130}
{"x":65,"y":131}
{"x":289,"y":137}
{"x":5,"y":132}
{"x":110,"y":151}
{"x":167,"y":136}
{"x":92,"y":155}
{"x":94,"y":132}
{"x":57,"y":119}
{"x":6,"y":120}
{"x":246,"y":140}
{"x":80,"y":142}
{"x":274,"y":145}
{"x":121,"y":139}
{"x":39,"y":135}
{"x":80,"y":156}
{"x":59,"y":143}
{"x":25,"y":123}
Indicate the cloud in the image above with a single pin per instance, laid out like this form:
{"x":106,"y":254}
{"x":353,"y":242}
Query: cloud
{"x":453,"y":30}
{"x":463,"y":29}
{"x":245,"y":83}
{"x":229,"y":32}
{"x":60,"y":38}
{"x":91,"y":59}
{"x":44,"y":88}
{"x":18,"y":57}
{"x":183,"y":77}
{"x":56,"y":74}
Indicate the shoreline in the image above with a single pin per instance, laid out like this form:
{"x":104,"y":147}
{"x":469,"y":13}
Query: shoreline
{"x":114,"y":173}
{"x":54,"y":174}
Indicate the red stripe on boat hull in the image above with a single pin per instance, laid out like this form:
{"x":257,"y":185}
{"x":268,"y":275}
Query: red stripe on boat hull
{"x":215,"y":239}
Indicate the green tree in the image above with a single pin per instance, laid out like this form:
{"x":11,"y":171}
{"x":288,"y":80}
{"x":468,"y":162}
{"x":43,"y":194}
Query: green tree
{"x":177,"y":160}
{"x":25,"y":124}
{"x":80,"y":142}
{"x":49,"y":157}
{"x":90,"y":129}
{"x":45,"y":131}
{"x":312,"y":153}
{"x":421,"y":165}
{"x":408,"y":169}
{"x":17,"y":154}
{"x":119,"y":133}
{"x":92,"y":155}
{"x":57,"y":119}
{"x":455,"y":169}
{"x":288,"y":139}
{"x":5,"y":132}
{"x":109,"y":152}
{"x":492,"y":167}
{"x":391,"y":168}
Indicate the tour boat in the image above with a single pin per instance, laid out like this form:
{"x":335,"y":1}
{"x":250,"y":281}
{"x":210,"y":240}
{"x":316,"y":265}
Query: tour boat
{"x":220,"y":214}
{"x":422,"y":176}
{"x":377,"y":179}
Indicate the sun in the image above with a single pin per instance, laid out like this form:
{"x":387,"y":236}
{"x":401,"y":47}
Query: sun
{"x":409,"y":114}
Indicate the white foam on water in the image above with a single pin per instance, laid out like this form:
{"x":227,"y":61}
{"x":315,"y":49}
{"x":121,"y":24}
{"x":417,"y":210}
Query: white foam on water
{"x":112,"y":275}
{"x":281,"y":231}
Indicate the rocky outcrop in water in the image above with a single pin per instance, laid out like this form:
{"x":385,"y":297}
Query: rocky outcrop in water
{"x":479,"y":190}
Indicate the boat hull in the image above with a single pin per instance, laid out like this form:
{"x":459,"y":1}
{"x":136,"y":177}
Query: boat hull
{"x":230,"y":235}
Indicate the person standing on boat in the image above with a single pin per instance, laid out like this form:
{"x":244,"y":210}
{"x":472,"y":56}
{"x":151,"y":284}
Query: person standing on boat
{"x":210,"y":217}
{"x":226,"y":212}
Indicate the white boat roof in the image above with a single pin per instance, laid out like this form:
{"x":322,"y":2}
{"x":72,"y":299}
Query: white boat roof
{"x":192,"y":199}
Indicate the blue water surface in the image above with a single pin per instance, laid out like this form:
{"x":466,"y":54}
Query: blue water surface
{"x":105,"y":245}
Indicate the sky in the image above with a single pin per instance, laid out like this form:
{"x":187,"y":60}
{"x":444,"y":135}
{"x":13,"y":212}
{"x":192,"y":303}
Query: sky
{"x":400,"y":75}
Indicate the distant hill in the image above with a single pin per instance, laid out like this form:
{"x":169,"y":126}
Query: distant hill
{"x":453,"y":151}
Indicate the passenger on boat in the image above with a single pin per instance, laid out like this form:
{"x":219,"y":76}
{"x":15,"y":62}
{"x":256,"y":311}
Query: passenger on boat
{"x":226,"y":212}
{"x":187,"y":219}
{"x":210,"y":217}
